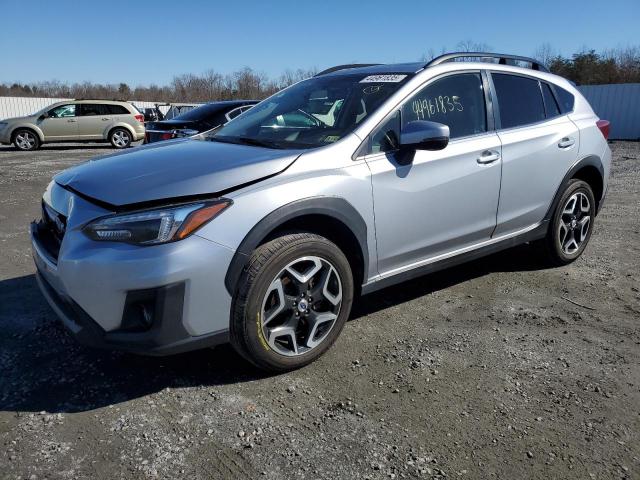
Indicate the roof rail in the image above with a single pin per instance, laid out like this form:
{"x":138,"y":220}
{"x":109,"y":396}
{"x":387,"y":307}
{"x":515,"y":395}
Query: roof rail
{"x":502,"y":59}
{"x":100,"y":99}
{"x":344,"y":67}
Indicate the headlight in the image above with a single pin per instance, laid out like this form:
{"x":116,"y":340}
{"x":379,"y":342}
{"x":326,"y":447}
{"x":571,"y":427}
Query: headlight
{"x":151,"y":227}
{"x":3,"y":124}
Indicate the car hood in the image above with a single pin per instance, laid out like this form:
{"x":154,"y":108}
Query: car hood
{"x":19,"y":119}
{"x":173,"y":169}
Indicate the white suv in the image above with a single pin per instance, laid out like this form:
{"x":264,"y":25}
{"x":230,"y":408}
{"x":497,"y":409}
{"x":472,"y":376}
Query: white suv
{"x":263,"y":231}
{"x":76,"y":121}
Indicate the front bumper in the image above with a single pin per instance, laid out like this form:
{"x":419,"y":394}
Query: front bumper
{"x":94,"y":287}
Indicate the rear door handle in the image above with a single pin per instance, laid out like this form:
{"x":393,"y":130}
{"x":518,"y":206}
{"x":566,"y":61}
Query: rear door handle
{"x":71,"y":121}
{"x":566,"y":142}
{"x":105,"y":119}
{"x":488,"y":156}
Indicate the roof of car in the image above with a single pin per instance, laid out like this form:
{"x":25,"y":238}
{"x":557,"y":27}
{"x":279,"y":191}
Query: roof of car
{"x":407,"y":68}
{"x":97,"y":100}
{"x":415,"y":67}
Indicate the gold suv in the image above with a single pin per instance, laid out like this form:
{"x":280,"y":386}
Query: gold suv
{"x":119,"y":123}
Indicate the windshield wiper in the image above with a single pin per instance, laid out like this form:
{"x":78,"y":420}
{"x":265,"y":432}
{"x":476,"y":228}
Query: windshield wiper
{"x":246,"y":141}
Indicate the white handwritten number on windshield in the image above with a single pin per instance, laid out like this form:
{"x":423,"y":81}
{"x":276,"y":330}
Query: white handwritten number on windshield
{"x":428,"y":107}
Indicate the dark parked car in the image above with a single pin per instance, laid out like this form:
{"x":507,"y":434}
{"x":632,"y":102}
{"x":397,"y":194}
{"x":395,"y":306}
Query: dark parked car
{"x":198,"y":120}
{"x":152,"y":114}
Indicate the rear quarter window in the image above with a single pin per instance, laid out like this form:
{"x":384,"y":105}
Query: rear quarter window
{"x":519,"y":100}
{"x":118,"y":110}
{"x":566,"y":99}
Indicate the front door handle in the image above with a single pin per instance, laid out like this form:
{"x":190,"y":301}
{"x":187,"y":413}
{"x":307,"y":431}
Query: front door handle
{"x":566,"y":142}
{"x":71,"y":120}
{"x":488,"y":156}
{"x":105,"y":119}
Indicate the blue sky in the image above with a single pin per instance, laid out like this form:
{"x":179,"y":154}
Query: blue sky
{"x":144,"y":42}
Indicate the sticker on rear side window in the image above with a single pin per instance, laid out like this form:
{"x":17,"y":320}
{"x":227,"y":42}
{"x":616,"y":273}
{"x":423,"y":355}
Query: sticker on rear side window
{"x":383,"y":79}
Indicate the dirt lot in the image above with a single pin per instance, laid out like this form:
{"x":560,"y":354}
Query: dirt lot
{"x":484,"y":371}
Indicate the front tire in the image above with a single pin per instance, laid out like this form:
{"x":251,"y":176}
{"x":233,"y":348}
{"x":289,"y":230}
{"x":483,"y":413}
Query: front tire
{"x":292,"y":302}
{"x":120,"y":138}
{"x":572,"y":224}
{"x":26,"y":140}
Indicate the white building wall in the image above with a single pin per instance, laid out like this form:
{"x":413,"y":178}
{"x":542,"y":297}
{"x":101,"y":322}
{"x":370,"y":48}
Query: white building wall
{"x":21,"y":106}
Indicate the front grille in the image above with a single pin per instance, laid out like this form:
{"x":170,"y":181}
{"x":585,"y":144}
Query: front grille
{"x":51,"y":230}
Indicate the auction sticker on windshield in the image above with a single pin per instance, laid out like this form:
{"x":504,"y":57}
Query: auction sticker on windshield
{"x":383,"y":79}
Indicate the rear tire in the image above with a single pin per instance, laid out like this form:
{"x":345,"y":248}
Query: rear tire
{"x":120,"y":138}
{"x":571,"y":225}
{"x":26,"y":140}
{"x":292,"y":301}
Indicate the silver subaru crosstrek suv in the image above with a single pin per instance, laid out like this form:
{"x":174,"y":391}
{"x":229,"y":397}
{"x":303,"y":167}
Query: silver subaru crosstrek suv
{"x":264,"y":231}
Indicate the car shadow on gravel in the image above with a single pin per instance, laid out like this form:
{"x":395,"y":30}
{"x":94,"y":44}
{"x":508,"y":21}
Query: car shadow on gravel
{"x":44,"y":369}
{"x":54,"y":147}
{"x":517,"y":259}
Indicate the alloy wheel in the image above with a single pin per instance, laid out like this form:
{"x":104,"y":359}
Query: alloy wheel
{"x":25,"y":140}
{"x":121,"y":138}
{"x":575,"y":222}
{"x":301,"y":306}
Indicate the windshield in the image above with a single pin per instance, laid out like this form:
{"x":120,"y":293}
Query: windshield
{"x":312,"y":113}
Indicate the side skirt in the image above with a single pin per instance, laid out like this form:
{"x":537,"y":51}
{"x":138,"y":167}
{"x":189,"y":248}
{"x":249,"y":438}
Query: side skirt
{"x":535,"y":234}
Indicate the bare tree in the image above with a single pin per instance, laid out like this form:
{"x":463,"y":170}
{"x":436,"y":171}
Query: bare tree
{"x":545,"y":53}
{"x":471,"y":46}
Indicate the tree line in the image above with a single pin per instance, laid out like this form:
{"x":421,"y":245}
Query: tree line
{"x":242,"y":84}
{"x":587,"y":67}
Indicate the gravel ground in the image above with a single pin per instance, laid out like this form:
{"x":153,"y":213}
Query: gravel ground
{"x":488,"y":370}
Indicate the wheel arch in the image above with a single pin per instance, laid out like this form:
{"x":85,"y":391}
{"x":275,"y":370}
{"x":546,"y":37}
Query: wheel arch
{"x":27,"y":126}
{"x":589,"y":169}
{"x":123,"y":126}
{"x":331,"y":217}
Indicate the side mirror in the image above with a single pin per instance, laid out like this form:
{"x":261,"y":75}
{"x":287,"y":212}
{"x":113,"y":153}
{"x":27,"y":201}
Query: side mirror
{"x":43,"y":116}
{"x":424,"y":135}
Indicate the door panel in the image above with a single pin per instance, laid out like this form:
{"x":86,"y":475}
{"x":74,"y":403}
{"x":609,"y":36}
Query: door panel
{"x":441,"y":202}
{"x":535,"y":159}
{"x":93,"y":121}
{"x":92,"y":127}
{"x":61,"y":124}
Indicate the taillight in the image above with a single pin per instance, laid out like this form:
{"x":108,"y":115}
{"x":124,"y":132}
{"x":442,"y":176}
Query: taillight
{"x":167,"y":136}
{"x":139,"y":117}
{"x":603,"y":125}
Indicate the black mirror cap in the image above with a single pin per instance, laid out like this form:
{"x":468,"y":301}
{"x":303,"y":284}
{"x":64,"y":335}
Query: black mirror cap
{"x":424,"y":135}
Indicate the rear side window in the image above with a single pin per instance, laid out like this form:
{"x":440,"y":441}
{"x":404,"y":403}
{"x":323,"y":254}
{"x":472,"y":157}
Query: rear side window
{"x":455,"y":100}
{"x":93,"y":109}
{"x":117,"y":110}
{"x":565,"y":99}
{"x":519,"y":99}
{"x":550,"y":104}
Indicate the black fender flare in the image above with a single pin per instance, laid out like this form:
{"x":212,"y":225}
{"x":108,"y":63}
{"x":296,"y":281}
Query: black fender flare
{"x":588,"y":161}
{"x":335,"y":207}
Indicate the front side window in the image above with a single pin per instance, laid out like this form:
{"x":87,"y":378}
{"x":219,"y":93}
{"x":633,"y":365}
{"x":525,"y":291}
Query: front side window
{"x":386,"y":138}
{"x":519,"y":99}
{"x":63,"y":111}
{"x":455,"y":100}
{"x":312,"y":113}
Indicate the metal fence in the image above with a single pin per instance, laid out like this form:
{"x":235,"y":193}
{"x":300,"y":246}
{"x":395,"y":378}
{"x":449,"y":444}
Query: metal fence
{"x":620,"y":104}
{"x":20,"y":106}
